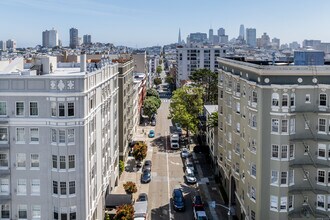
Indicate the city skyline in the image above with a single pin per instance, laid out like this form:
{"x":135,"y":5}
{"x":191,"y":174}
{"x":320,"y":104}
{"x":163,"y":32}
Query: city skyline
{"x":147,"y":24}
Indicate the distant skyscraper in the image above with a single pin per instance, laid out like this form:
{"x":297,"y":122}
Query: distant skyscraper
{"x":49,"y":38}
{"x":276,"y":43}
{"x":241,"y":32}
{"x":3,"y":45}
{"x":11,"y":44}
{"x":211,"y":35}
{"x":179,"y":38}
{"x":221,"y":32}
{"x":87,"y":39}
{"x":294,"y":45}
{"x":198,"y":37}
{"x":265,"y":40}
{"x":251,"y":37}
{"x":74,"y":39}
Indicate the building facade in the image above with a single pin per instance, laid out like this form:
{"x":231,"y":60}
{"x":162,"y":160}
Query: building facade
{"x":11,"y":44}
{"x":49,"y":38}
{"x":274,"y":145}
{"x":58,"y":147}
{"x":87,"y":39}
{"x":74,"y":38}
{"x":251,"y":37}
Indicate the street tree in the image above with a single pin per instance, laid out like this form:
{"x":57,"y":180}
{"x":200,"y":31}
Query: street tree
{"x":209,"y":81}
{"x":159,"y":69}
{"x":157,"y":81}
{"x":152,"y":92}
{"x":140,"y":151}
{"x":170,"y":80}
{"x":150,"y":106}
{"x":130,"y":187}
{"x":124,"y":212}
{"x":185,"y":107}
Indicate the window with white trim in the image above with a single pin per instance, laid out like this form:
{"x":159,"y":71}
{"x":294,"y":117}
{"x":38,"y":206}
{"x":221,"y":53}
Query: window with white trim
{"x":61,"y":136}
{"x":274,"y":177}
{"x":63,"y":188}
{"x":274,"y":203}
{"x":3,"y":134}
{"x":292,"y":100}
{"x":292,"y":125}
{"x":254,"y":96}
{"x":275,"y":125}
{"x":62,"y":163}
{"x":72,"y":187}
{"x":71,"y":109}
{"x":254,"y":121}
{"x":322,"y":124}
{"x":285,"y":101}
{"x":321,"y":201}
{"x":3,"y":160}
{"x":35,"y":187}
{"x":284,"y":126}
{"x":320,"y":176}
{"x":5,"y":211}
{"x":308,"y":98}
{"x":321,"y":151}
{"x":72,"y":162}
{"x":55,"y":187}
{"x":3,"y":108}
{"x":19,"y":108}
{"x":275,"y":151}
{"x":35,"y":161}
{"x":284,"y":152}
{"x":53,"y":107}
{"x":20,"y":133}
{"x":34,"y":134}
{"x":36,"y":212}
{"x":22,"y":211}
{"x":284,"y":178}
{"x":4,"y":186}
{"x":283,"y":204}
{"x":54,"y":158}
{"x":291,"y":151}
{"x":61,"y":109}
{"x":34,"y":109}
{"x":21,"y":187}
{"x":238,"y":127}
{"x":21,"y":160}
{"x":275,"y":99}
{"x":53,"y":134}
{"x":253,"y":193}
{"x":71,"y":135}
{"x":290,"y":202}
{"x":323,"y":99}
{"x":253,"y":170}
{"x":291,"y":177}
{"x":238,"y":107}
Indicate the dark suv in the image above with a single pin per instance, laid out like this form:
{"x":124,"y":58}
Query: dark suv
{"x":178,"y":200}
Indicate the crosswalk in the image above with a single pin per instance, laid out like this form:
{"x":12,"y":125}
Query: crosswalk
{"x":166,"y":100}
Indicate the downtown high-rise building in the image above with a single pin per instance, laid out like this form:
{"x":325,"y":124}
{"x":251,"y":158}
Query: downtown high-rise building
{"x":50,"y":38}
{"x":74,"y":38}
{"x":211,"y":36}
{"x":241,"y":32}
{"x":11,"y":44}
{"x":87,"y":39}
{"x":251,"y":37}
{"x":3,"y":45}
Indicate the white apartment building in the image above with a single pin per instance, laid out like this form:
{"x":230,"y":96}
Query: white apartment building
{"x":58,"y":139}
{"x":190,"y":59}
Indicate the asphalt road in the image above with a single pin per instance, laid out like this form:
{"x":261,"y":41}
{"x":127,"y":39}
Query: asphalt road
{"x":167,"y":173}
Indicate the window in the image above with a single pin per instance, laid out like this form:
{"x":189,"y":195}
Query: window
{"x":308,"y":98}
{"x":5,"y":211}
{"x":34,"y":134}
{"x":3,"y":134}
{"x":20,"y":132}
{"x":4,"y":187}
{"x":72,"y":187}
{"x":321,"y":201}
{"x":283,"y":204}
{"x":61,"y":109}
{"x":291,"y":151}
{"x":238,"y":87}
{"x":254,"y":121}
{"x":274,"y":177}
{"x":63,"y":188}
{"x":73,"y":216}
{"x":275,"y":124}
{"x":34,"y":109}
{"x":274,"y":151}
{"x":274,"y":203}
{"x":71,"y":161}
{"x":284,"y":151}
{"x":323,"y":99}
{"x":36,"y":212}
{"x":238,"y":127}
{"x":21,"y":187}
{"x":253,"y":193}
{"x":61,"y":135}
{"x":290,"y":202}
{"x":284,"y":176}
{"x":62,"y":162}
{"x":22,"y":211}
{"x":53,"y":109}
{"x":35,"y":187}
{"x":21,"y":160}
{"x":253,"y":170}
{"x":70,"y":135}
{"x":19,"y":108}
{"x":292,"y":100}
{"x":238,"y":107}
{"x":306,"y":175}
{"x":285,"y":100}
{"x":3,"y":160}
{"x":292,"y":125}
{"x":55,"y":213}
{"x":307,"y":123}
{"x":64,"y":216}
{"x":321,"y":151}
{"x":253,"y":215}
{"x":34,"y":160}
{"x":3,"y":108}
{"x":53,"y":135}
{"x":254,"y":96}
{"x":284,"y":126}
{"x":291,"y":177}
{"x":321,"y":176}
{"x":55,"y":187}
{"x":70,"y":109}
{"x":54,"y":161}
{"x":275,"y":99}
{"x":322,"y":125}
{"x":328,"y":203}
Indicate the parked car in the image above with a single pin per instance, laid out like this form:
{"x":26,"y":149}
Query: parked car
{"x":147,"y":165}
{"x":153,"y":122}
{"x":199,"y":213}
{"x":178,"y":128}
{"x":151,"y":134}
{"x":190,"y":176}
{"x":178,"y":200}
{"x":142,"y":197}
{"x":197,"y":201}
{"x":146,"y":176}
{"x":185,"y":153}
{"x":189,"y":164}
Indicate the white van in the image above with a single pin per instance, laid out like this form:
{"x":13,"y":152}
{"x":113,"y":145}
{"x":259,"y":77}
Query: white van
{"x":175,"y":141}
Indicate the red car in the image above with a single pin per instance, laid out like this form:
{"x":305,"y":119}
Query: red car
{"x":197,"y":201}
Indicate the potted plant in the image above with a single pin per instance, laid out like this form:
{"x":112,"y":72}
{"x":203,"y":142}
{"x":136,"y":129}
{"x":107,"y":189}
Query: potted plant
{"x":130,"y":187}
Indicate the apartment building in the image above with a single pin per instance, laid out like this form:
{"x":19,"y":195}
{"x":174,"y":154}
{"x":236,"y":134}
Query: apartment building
{"x":125,"y":104}
{"x":190,"y":59}
{"x":274,"y":143}
{"x":58,"y":143}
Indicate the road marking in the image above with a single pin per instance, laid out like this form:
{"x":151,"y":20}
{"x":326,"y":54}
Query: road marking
{"x":168,"y":180}
{"x":174,"y":163}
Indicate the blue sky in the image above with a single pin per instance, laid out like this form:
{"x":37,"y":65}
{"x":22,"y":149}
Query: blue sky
{"x":139,"y":23}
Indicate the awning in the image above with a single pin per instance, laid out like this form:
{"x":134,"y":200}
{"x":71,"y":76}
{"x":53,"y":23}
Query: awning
{"x":114,"y":200}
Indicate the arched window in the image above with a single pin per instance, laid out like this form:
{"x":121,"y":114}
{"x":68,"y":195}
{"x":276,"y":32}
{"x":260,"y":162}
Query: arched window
{"x":285,"y":100}
{"x":275,"y":99}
